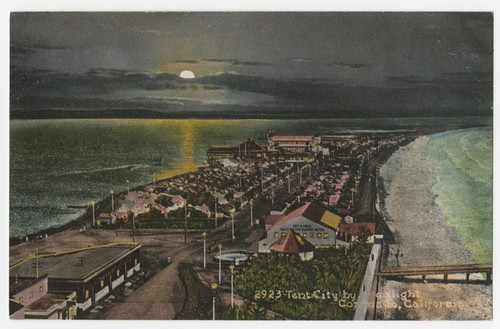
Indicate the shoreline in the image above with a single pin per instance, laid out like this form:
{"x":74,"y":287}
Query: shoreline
{"x":422,"y":235}
{"x":442,"y":244}
{"x":86,"y":218}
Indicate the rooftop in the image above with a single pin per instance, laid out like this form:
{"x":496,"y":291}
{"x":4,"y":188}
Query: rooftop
{"x":279,"y":138}
{"x":51,"y":299}
{"x":355,"y":228}
{"x":251,"y":145}
{"x":221,"y":148}
{"x":310,"y":211}
{"x":17,"y":285}
{"x":292,"y":243}
{"x":78,"y":264}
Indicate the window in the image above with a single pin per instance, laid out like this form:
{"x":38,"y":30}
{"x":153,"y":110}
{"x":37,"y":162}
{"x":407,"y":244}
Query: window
{"x":311,"y":235}
{"x":319,"y":235}
{"x":135,"y":261}
{"x":87,"y":294}
{"x":304,"y":235}
{"x":326,"y":235}
{"x":118,"y":272}
{"x":102,"y":283}
{"x":40,"y":289}
{"x":21,"y":300}
{"x":283,"y":233}
{"x":276,"y":234}
{"x":31,"y":294}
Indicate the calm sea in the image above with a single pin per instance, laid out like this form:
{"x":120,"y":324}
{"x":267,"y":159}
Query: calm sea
{"x":56,"y":163}
{"x":463,"y":163}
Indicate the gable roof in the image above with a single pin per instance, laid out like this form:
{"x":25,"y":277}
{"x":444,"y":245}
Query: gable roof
{"x":311,"y":211}
{"x":292,"y":138}
{"x":355,"y":228}
{"x":251,"y":145}
{"x":228,"y":149}
{"x":292,"y":243}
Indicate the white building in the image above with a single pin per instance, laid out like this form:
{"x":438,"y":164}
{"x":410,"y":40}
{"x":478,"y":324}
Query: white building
{"x":318,"y":225}
{"x":294,"y":143}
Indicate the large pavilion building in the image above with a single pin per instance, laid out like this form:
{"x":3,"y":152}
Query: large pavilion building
{"x":318,"y":225}
{"x":293,"y":143}
{"x":92,"y":273}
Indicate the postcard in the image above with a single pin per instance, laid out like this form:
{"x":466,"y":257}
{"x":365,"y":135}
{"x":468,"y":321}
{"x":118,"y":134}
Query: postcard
{"x":251,"y":165}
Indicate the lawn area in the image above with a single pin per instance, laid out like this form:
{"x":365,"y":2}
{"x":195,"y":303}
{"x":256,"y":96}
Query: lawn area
{"x":325,"y":287}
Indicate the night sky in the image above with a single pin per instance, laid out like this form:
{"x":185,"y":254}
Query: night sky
{"x":254,"y":64}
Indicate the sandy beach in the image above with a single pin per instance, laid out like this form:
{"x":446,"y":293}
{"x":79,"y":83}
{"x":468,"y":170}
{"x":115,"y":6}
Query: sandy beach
{"x":424,"y":238}
{"x":421,"y":231}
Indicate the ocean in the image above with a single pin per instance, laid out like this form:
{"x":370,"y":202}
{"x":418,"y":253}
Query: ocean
{"x":57,"y":163}
{"x":462,"y":161}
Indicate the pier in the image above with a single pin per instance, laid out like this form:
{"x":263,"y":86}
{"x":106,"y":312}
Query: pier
{"x":445,"y":270}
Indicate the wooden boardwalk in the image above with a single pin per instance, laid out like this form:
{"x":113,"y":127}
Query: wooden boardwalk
{"x":445,"y":270}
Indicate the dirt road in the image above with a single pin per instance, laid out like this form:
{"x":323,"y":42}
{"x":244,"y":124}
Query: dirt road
{"x":159,"y":298}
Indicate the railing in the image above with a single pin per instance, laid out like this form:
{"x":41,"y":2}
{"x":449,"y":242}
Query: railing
{"x":438,"y":269}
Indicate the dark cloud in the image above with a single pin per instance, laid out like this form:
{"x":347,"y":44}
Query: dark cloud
{"x":352,"y":65}
{"x":29,"y":49}
{"x":299,"y":60}
{"x":452,"y":94}
{"x":212,"y":87}
{"x":446,"y":97}
{"x":472,"y":80}
{"x":340,"y":64}
{"x":235,"y":62}
{"x":47,"y":83}
{"x":187,"y":61}
{"x":249,"y":63}
{"x":219,"y":60}
{"x":17,"y":49}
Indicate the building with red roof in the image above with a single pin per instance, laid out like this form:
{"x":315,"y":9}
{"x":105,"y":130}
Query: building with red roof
{"x":250,"y":149}
{"x":349,"y":231}
{"x":311,"y":221}
{"x":294,"y":243}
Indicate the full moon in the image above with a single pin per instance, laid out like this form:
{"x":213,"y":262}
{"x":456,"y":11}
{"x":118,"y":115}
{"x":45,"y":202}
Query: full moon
{"x":187,"y":75}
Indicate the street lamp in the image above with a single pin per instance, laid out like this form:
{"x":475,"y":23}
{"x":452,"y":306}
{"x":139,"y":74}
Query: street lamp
{"x":186,"y":215}
{"x":231,"y":267}
{"x":133,"y":228}
{"x":128,"y":186}
{"x":204,"y":235}
{"x":112,"y":201}
{"x":251,"y":212}
{"x":220,"y":261}
{"x":214,"y":288}
{"x":215,"y":207}
{"x":93,"y":212}
{"x":232,"y":225}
